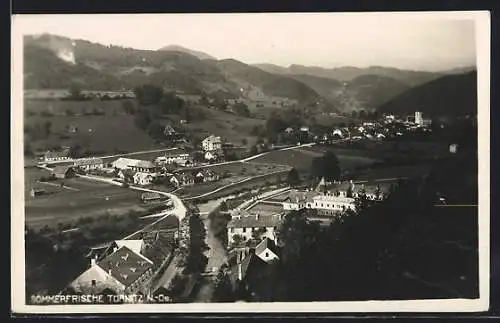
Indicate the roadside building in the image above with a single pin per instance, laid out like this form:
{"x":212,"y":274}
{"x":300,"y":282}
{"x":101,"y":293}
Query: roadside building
{"x":182,"y":179}
{"x":87,"y":164}
{"x":453,"y":148}
{"x":206,"y":175}
{"x":243,"y":223}
{"x":267,"y":250}
{"x":61,"y":172}
{"x":151,"y":197}
{"x":178,"y":156}
{"x":136,"y":165}
{"x":289,"y":130}
{"x":58,"y":155}
{"x":143,"y":179}
{"x":34,"y":192}
{"x":124,"y":271}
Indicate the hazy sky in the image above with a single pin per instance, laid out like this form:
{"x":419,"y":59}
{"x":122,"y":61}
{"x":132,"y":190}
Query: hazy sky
{"x":414,"y":41}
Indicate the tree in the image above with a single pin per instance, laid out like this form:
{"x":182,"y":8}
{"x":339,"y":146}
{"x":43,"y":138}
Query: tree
{"x":293,"y":177}
{"x":155,"y":131}
{"x":148,"y":94}
{"x":75,"y":91}
{"x":237,"y":239}
{"x":354,"y":114}
{"x":47,"y":127}
{"x":128,"y":107}
{"x":142,"y":119}
{"x":241,"y":109}
{"x":326,"y":166}
{"x":222,"y":287}
{"x":257,"y":233}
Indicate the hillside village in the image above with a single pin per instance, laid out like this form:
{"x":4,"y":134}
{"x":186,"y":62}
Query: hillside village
{"x":215,"y":181}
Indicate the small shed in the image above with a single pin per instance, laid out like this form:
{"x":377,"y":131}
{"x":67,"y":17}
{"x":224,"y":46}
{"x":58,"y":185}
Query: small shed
{"x":34,"y":192}
{"x":63,"y":172}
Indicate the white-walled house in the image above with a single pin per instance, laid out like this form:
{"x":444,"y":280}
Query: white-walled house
{"x":243,"y":223}
{"x":143,"y":179}
{"x":177,"y":156}
{"x":267,"y":250}
{"x":212,"y":143}
{"x":136,"y":165}
{"x":125,"y":271}
{"x":89,"y":163}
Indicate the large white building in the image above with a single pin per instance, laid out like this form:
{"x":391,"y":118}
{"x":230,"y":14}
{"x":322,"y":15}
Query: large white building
{"x":177,"y":156}
{"x":333,"y":198}
{"x":212,"y":143}
{"x":419,"y":119}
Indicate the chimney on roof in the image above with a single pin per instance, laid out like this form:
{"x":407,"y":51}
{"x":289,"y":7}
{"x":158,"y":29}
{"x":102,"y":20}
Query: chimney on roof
{"x":109,"y":272}
{"x":93,"y":261}
{"x":115,"y":249}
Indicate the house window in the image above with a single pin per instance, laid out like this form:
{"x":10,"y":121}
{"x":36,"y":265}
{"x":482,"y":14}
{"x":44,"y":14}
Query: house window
{"x":267,"y":254}
{"x":232,"y":230}
{"x":94,"y":282}
{"x":244,"y":230}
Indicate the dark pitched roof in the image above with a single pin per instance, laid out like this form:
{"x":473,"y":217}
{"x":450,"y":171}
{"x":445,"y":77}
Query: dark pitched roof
{"x":245,"y":219}
{"x":125,"y":265}
{"x":88,"y":161}
{"x":61,"y":169}
{"x":266,"y":244}
{"x":57,"y":154}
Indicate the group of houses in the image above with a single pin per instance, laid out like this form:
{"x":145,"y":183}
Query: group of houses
{"x":334,"y":198}
{"x":188,"y":178}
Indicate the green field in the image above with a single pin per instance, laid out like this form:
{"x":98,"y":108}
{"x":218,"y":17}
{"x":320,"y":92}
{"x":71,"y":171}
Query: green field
{"x":108,"y":133}
{"x":302,"y":158}
{"x":81,"y":198}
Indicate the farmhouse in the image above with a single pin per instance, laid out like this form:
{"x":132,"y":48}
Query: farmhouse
{"x":289,"y":130}
{"x":61,"y":172}
{"x":248,"y":275}
{"x":124,"y":271}
{"x":34,"y":192}
{"x":212,"y":143}
{"x":151,"y":197}
{"x":126,"y":175}
{"x":143,"y":179}
{"x":177,"y":156}
{"x":135,"y":165}
{"x":206,"y":175}
{"x":60,"y":155}
{"x":182,"y":179}
{"x":89,"y":163}
{"x":243,"y":223}
{"x":211,"y":155}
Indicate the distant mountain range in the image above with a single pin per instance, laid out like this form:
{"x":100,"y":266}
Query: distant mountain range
{"x":195,"y":53}
{"x":57,"y":62}
{"x":450,"y":95}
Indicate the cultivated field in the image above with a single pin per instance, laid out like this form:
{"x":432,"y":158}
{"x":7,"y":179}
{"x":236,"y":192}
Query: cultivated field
{"x":114,"y":131}
{"x":234,"y":128}
{"x":79,"y":198}
{"x":302,"y":159}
